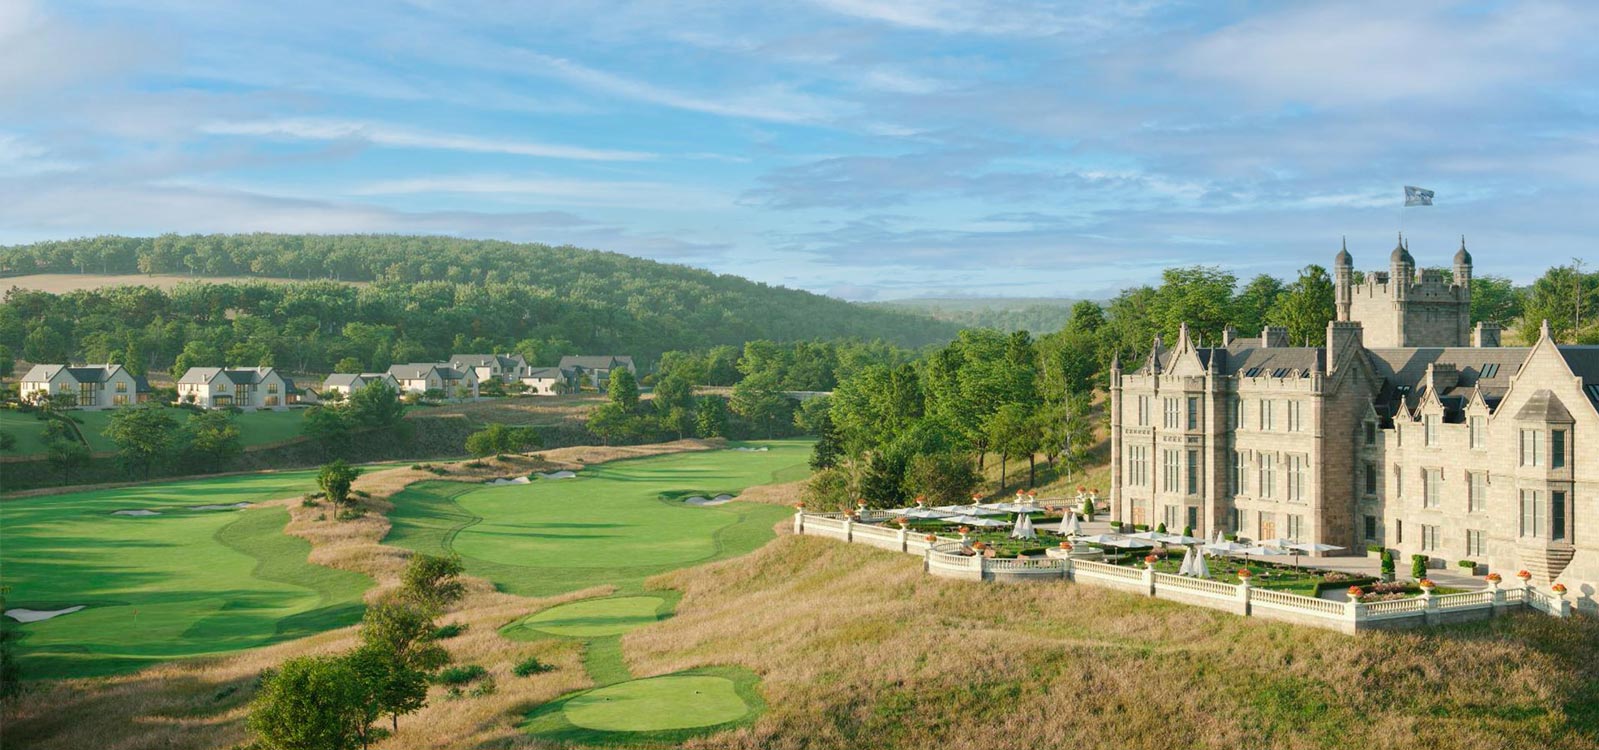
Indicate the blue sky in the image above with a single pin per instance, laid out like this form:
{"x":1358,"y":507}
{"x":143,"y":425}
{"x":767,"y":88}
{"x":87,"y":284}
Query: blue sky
{"x":870,"y":150}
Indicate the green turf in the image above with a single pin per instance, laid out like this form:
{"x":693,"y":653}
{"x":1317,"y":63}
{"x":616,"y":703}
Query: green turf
{"x":611,"y":525}
{"x":658,"y":704}
{"x":183,"y":583}
{"x":594,"y":617}
{"x":653,"y":712}
{"x":255,"y":428}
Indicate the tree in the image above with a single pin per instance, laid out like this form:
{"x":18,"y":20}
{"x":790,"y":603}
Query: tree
{"x":389,"y":685}
{"x":196,"y":354}
{"x":326,"y":425}
{"x":1011,"y":431}
{"x":612,"y":423}
{"x":46,"y":344}
{"x":499,"y":438}
{"x":213,"y":438}
{"x":758,"y":399}
{"x":1306,"y":306}
{"x":432,"y":582}
{"x":335,"y":480}
{"x":404,"y":631}
{"x":8,"y":362}
{"x":349,"y":364}
{"x":1494,"y":299}
{"x":943,"y":478}
{"x":674,"y":404}
{"x":376,"y":407}
{"x":710,"y":417}
{"x":310,"y":703}
{"x":66,"y":456}
{"x":10,"y":670}
{"x":145,"y":437}
{"x":623,"y":389}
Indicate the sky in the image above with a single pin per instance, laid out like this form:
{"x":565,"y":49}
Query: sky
{"x":868,"y":150}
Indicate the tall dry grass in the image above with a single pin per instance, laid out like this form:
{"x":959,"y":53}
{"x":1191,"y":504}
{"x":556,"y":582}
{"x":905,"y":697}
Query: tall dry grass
{"x":858,"y":648}
{"x":202,"y":703}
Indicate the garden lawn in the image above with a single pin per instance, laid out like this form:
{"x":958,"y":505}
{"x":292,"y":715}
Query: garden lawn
{"x":182,"y":583}
{"x":616,"y":523}
{"x":28,"y":430}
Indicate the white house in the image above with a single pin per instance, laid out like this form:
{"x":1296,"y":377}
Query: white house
{"x":547,"y":381}
{"x":457,"y":385}
{"x":506,"y":368}
{"x":347,"y":383}
{"x":86,"y":387}
{"x":246,"y":388}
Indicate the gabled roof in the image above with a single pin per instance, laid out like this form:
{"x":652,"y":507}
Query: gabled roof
{"x":505,"y":361}
{"x":1404,"y":372}
{"x":80,"y":373}
{"x":546,"y":372}
{"x":1544,"y":407}
{"x":237,"y":376}
{"x":596,"y":361}
{"x":342,"y":380}
{"x":420,"y":370}
{"x":1247,"y":358}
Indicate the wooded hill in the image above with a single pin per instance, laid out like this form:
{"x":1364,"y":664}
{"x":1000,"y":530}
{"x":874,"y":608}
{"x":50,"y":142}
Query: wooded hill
{"x":429,"y":297}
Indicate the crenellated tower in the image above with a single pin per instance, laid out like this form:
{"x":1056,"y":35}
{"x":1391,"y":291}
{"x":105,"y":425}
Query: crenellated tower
{"x":1404,"y":308}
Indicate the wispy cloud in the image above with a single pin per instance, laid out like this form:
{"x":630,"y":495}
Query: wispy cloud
{"x":392,"y":136}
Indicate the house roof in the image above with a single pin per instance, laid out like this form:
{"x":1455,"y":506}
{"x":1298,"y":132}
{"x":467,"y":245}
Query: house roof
{"x":546,"y":372}
{"x":1544,"y":406}
{"x":342,"y":380}
{"x":237,"y":376}
{"x":596,"y":361}
{"x":1247,"y":358}
{"x":420,"y":370}
{"x":505,"y":361}
{"x":80,"y":373}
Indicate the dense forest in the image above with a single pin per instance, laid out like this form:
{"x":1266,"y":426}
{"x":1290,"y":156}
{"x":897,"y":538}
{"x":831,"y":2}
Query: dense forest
{"x":1031,"y":314}
{"x":430,"y":297}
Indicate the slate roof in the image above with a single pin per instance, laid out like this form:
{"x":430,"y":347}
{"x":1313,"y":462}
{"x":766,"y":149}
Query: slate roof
{"x":546,"y":372}
{"x":1247,"y":358}
{"x":505,"y":361}
{"x":1404,"y":372}
{"x":1544,"y":407}
{"x":419,"y":371}
{"x":596,"y":361}
{"x":80,"y":373}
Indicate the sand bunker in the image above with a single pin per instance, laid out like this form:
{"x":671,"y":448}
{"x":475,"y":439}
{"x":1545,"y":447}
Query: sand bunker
{"x":232,"y":506}
{"x":718,"y":500}
{"x":514,"y":480}
{"x":35,"y":615}
{"x":761,"y":449}
{"x":140,"y":512}
{"x":562,"y":474}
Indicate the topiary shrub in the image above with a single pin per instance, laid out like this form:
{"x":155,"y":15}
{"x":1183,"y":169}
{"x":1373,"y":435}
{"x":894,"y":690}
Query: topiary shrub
{"x":1161,"y":527}
{"x":1188,"y":531}
{"x":1387,"y":563}
{"x":1418,"y":566}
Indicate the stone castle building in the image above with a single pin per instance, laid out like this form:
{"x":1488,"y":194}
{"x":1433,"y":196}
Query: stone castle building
{"x":1409,"y":429}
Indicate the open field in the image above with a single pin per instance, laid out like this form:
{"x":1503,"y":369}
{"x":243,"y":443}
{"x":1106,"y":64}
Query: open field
{"x":610,"y":525}
{"x":180,"y":583}
{"x":61,"y":283}
{"x":255,"y":428}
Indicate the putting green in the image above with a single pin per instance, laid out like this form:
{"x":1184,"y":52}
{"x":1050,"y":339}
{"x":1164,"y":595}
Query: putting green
{"x":613,"y":524}
{"x":180,"y":583}
{"x":658,"y":704}
{"x":591,"y":617}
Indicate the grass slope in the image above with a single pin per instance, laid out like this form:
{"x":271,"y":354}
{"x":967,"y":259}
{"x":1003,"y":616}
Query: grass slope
{"x":611,"y":525}
{"x":183,"y":583}
{"x":255,"y":428}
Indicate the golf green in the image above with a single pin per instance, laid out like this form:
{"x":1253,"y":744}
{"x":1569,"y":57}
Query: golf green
{"x":615,"y":523}
{"x":592,"y":617}
{"x":180,"y":582}
{"x":658,"y":704}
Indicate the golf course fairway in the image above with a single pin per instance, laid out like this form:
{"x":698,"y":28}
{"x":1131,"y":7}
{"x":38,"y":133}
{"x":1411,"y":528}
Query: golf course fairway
{"x":615,"y":523}
{"x":172,"y":581}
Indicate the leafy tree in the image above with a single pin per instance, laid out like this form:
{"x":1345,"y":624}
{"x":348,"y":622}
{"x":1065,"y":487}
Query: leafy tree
{"x":758,"y":399}
{"x":944,"y":478}
{"x":1305,"y":307}
{"x":46,"y":344}
{"x":8,"y":362}
{"x":432,"y":582}
{"x":10,"y":670}
{"x":623,"y":390}
{"x":145,"y":436}
{"x":710,"y":417}
{"x":1256,"y":303}
{"x":499,"y":439}
{"x":612,"y":423}
{"x":376,"y":407}
{"x":196,"y":353}
{"x":1495,"y":299}
{"x":66,"y":456}
{"x":335,"y":479}
{"x":310,"y":703}
{"x":213,"y":438}
{"x":674,"y":404}
{"x":326,"y":425}
{"x":389,"y":685}
{"x":349,"y":364}
{"x":1012,"y":432}
{"x":404,"y":632}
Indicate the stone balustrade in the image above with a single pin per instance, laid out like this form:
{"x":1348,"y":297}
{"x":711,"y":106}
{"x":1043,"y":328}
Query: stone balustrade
{"x":949,"y":558}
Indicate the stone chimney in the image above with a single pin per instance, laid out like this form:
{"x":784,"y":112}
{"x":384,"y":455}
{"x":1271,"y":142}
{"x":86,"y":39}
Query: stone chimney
{"x":1274,"y":337}
{"x":1485,"y":335}
{"x":1228,"y":335}
{"x":1342,"y":334}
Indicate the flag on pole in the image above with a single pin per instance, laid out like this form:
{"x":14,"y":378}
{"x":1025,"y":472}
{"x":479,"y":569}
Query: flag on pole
{"x":1415,"y":196}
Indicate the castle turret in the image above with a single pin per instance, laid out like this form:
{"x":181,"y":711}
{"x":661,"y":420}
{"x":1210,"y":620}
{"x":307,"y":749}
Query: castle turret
{"x":1401,"y":269}
{"x":1403,"y":308}
{"x":1343,"y":279}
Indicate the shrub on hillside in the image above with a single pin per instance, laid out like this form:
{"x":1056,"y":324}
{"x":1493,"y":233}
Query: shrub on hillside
{"x":531,"y":666}
{"x":460,"y":675}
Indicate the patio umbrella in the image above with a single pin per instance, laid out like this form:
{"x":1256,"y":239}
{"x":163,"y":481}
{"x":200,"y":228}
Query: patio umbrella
{"x":1307,"y":547}
{"x":1225,"y":548}
{"x":1260,"y":551}
{"x":926,"y":514}
{"x":974,"y":521}
{"x":1178,"y":539}
{"x":1221,"y":538}
{"x":1069,"y":525}
{"x":1008,"y":507}
{"x":1278,"y":542}
{"x":1126,"y":542}
{"x":1153,"y":536}
{"x":1023,"y":528}
{"x":1101,"y":539}
{"x":1201,"y":568}
{"x":1187,"y":568}
{"x":970,"y":510}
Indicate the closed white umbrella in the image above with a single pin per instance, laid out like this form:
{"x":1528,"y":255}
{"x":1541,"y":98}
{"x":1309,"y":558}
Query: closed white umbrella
{"x":1201,"y":568}
{"x":1187,"y":568}
{"x":1023,"y":528}
{"x":1221,"y":538}
{"x":1069,"y":525}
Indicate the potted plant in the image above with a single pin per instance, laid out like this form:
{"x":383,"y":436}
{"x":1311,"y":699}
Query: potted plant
{"x":1244,"y":574}
{"x":1559,"y":589}
{"x":1150,"y":560}
{"x":931,"y":538}
{"x":1493,"y":578}
{"x":903,"y":521}
{"x":1355,"y":592}
{"x":1426,"y":585}
{"x":1524,"y":576}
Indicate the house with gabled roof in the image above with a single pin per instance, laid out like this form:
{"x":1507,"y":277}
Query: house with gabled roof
{"x":346,"y":383}
{"x":506,"y":368}
{"x":421,"y":377}
{"x":89,"y":387}
{"x":548,"y":381}
{"x":246,"y":388}
{"x":595,"y":370}
{"x":1409,"y":430}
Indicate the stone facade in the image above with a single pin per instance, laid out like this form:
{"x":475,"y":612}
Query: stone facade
{"x":1408,"y":429}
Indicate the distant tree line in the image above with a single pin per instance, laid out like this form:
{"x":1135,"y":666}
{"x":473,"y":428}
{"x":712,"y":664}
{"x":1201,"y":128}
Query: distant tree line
{"x":430,"y":297}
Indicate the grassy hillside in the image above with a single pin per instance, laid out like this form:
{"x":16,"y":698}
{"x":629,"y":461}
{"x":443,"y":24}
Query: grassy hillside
{"x":427,"y":297}
{"x":1037,"y":315}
